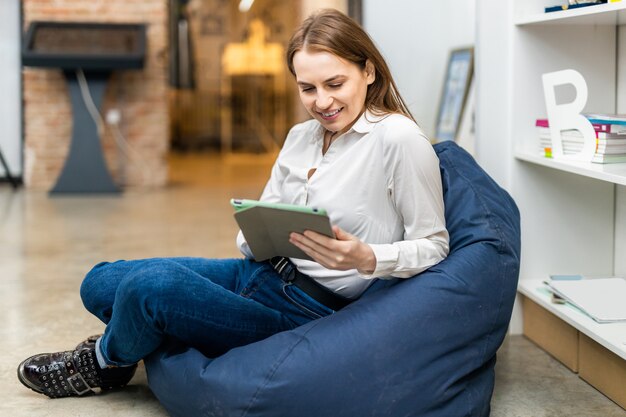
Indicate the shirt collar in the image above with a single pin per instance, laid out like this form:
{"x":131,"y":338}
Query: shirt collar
{"x":364,"y":124}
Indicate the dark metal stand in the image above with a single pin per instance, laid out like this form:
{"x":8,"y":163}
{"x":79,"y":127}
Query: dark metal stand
{"x":85,"y":170}
{"x":12,"y":180}
{"x":96,"y":49}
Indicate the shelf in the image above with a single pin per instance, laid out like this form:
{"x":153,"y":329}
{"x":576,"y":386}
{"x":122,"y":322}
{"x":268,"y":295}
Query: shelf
{"x":602,"y":14}
{"x":614,"y":173}
{"x":610,"y":335}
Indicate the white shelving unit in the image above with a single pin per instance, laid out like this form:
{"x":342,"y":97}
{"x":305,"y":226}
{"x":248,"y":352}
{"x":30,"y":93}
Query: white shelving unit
{"x":610,"y":335}
{"x":601,"y":18}
{"x":569,"y":210}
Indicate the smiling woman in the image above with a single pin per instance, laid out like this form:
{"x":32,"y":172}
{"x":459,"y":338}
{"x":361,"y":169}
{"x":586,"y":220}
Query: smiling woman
{"x":361,"y":157}
{"x":349,"y":42}
{"x":332,"y":89}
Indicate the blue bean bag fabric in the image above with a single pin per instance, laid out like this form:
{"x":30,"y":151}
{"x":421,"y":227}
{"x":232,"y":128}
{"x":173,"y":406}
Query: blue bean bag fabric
{"x":424,"y":346}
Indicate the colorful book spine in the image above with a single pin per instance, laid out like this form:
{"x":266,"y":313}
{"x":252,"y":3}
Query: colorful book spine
{"x":575,"y":135}
{"x":599,"y":125}
{"x":610,"y":139}
{"x":609,"y":122}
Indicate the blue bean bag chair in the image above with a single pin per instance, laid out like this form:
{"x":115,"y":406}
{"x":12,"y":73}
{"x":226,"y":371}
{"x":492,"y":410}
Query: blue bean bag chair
{"x":424,"y":346}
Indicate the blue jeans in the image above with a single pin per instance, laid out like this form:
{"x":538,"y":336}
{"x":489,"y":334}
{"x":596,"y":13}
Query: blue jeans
{"x":212,"y":305}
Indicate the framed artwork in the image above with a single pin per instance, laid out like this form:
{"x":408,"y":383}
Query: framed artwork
{"x":466,"y":132}
{"x":456,"y":85}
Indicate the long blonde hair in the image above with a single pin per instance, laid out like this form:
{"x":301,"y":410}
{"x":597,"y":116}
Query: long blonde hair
{"x":331,"y":31}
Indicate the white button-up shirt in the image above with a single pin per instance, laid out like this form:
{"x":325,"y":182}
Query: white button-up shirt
{"x":379,"y":181}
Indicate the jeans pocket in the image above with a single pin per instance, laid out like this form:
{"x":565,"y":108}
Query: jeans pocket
{"x":305,"y":303}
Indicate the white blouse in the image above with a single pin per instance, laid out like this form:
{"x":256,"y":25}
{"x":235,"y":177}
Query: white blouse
{"x":379,"y":181}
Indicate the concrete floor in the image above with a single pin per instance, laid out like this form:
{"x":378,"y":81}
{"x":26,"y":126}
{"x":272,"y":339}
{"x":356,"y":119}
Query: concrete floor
{"x":530,"y":383}
{"x":48,"y":244}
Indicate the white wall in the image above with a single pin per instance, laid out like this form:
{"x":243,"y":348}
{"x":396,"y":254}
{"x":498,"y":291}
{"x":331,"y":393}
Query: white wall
{"x":493,"y":64}
{"x":415,"y":36}
{"x":10,"y":100}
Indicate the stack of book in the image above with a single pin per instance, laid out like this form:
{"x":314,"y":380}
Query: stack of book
{"x":610,"y":138}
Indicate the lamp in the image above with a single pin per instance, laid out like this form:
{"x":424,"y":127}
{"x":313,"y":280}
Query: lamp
{"x":245,"y":5}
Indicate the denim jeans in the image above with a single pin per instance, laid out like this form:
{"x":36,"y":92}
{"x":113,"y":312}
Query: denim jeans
{"x":212,"y":305}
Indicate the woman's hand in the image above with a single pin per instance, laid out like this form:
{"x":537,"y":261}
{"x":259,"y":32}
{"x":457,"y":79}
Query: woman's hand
{"x":343,"y":253}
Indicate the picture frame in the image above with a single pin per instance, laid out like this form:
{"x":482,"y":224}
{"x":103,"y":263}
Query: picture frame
{"x":458,"y":78}
{"x":466,"y":133}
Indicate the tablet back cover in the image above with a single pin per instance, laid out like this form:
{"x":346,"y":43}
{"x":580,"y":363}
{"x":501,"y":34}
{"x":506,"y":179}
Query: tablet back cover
{"x":267,"y":230}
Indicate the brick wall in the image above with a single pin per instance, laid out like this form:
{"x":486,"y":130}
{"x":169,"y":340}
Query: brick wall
{"x":141,"y":96}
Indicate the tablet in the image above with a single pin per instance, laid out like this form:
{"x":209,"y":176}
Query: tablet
{"x":266,"y":226}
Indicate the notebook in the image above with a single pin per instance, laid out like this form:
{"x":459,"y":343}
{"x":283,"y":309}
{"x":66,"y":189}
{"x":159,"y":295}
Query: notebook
{"x":603,"y":299}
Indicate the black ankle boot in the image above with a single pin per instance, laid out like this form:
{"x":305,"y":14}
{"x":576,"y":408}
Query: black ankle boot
{"x":71,"y":373}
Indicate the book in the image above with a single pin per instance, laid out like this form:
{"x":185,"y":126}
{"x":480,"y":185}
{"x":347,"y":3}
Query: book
{"x":613,"y":119}
{"x":599,"y":151}
{"x":602,"y":299}
{"x":267,"y":226}
{"x":610,"y":139}
{"x":556,"y":299}
{"x":560,"y":7}
{"x":605,"y":149}
{"x":572,"y":142}
{"x":603,"y":158}
{"x":575,"y":135}
{"x":608,"y":159}
{"x":602,"y":145}
{"x":599,"y":125}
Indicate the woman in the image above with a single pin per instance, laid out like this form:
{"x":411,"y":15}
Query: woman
{"x":361,"y":157}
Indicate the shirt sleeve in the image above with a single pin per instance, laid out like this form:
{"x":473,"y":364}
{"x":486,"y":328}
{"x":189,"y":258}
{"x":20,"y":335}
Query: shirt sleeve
{"x":414,"y":183}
